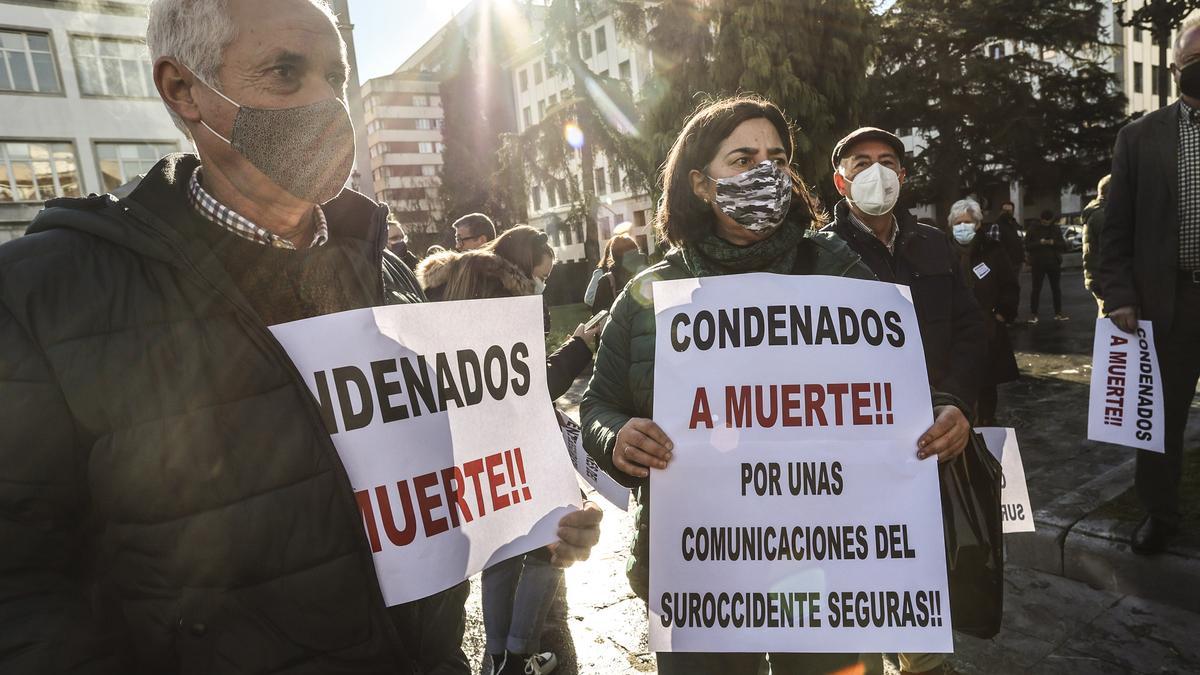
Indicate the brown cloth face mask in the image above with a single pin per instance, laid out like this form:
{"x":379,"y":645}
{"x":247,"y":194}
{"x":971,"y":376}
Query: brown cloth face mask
{"x":307,"y":150}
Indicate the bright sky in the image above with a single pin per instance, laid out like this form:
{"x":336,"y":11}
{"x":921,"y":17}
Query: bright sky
{"x":386,"y":32}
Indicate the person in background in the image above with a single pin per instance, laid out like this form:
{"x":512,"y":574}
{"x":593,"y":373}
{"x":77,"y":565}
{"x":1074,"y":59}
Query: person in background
{"x":472,"y":231}
{"x":869,"y":174}
{"x":1045,"y":244}
{"x":518,"y":592}
{"x":1150,"y":270}
{"x":1007,"y":232}
{"x":622,"y":261}
{"x":990,"y":277}
{"x":719,"y":219}
{"x":398,"y":243}
{"x":1093,"y":225}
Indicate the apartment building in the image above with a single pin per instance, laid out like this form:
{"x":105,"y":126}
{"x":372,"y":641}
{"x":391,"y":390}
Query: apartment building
{"x":79,"y":112}
{"x":538,"y":85}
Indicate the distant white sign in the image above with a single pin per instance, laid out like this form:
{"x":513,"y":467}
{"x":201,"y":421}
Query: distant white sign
{"x":1126,"y":405}
{"x":587,"y":468}
{"x":1014,"y":493}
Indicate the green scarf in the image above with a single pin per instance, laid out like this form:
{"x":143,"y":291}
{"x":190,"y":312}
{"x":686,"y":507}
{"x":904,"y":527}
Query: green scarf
{"x":713,"y":256}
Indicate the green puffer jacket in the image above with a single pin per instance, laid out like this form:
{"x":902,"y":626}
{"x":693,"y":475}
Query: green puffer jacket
{"x":170,"y":500}
{"x":622,"y":385}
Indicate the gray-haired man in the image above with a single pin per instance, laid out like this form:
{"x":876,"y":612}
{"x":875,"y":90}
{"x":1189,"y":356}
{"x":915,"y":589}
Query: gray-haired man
{"x":170,"y":500}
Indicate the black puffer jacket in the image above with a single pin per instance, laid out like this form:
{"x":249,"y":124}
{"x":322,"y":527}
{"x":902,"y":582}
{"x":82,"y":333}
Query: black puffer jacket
{"x":169,"y":499}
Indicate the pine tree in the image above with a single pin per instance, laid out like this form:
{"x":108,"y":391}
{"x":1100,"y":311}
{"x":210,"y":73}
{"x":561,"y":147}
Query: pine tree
{"x":1000,"y":90}
{"x":477,"y":115}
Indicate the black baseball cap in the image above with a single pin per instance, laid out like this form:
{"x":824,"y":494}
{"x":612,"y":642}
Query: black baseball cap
{"x":866,"y":134}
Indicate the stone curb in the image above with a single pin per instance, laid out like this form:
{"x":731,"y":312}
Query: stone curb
{"x":1096,"y":551}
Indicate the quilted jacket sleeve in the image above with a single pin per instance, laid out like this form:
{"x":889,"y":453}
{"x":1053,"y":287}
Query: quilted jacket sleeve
{"x":46,"y":619}
{"x":607,"y":404}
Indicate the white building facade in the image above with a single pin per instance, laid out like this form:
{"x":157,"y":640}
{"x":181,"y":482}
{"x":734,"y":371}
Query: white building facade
{"x":538,"y":86}
{"x":79,"y":112}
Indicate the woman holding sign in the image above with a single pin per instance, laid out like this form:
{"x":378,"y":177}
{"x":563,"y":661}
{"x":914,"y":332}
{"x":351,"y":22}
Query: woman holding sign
{"x":731,"y":204}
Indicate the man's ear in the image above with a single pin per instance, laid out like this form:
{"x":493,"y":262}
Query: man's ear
{"x":174,"y":83}
{"x":702,"y":186}
{"x":902,"y":173}
{"x":841,"y":184}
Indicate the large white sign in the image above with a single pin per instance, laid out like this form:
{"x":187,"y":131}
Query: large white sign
{"x":795,"y":515}
{"x":1014,"y":492}
{"x":1126,"y":404}
{"x":421,"y":401}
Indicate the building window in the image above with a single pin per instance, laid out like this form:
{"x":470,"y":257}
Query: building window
{"x":541,"y":110}
{"x":1137,"y":33}
{"x":614,"y":178}
{"x":424,"y":124}
{"x":585,"y":46}
{"x":537,"y":73}
{"x":527,"y":116}
{"x":111,"y":67}
{"x":1155,"y":72}
{"x":122,"y":162}
{"x":35,"y":172}
{"x":523,"y":78}
{"x":425,"y":148}
{"x":1137,"y":77}
{"x":420,"y":101}
{"x":552,"y":101}
{"x":601,"y":188}
{"x":537,"y":197}
{"x":626,"y":71}
{"x":996,"y":51}
{"x":435,"y":101}
{"x":601,"y":40}
{"x":551,"y":196}
{"x":429,"y":170}
{"x":27,"y":63}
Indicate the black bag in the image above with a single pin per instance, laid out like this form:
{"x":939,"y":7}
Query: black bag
{"x":974,"y":539}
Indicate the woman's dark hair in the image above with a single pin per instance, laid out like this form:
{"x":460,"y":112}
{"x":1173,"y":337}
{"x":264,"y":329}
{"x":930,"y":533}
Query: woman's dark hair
{"x":1047,"y":215}
{"x":615,"y":249}
{"x":684,"y":217}
{"x":523,"y":246}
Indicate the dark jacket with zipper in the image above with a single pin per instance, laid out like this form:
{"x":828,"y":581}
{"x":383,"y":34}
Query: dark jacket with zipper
{"x":1041,"y":254}
{"x":952,"y":331}
{"x":170,"y":501}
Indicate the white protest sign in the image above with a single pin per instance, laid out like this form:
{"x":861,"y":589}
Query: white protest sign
{"x":1126,"y":405}
{"x":1014,"y":492}
{"x":795,"y":515}
{"x":421,"y":400}
{"x":587,"y":468}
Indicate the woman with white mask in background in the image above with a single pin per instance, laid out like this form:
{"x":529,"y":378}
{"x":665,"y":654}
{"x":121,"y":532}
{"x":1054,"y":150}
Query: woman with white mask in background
{"x":990,"y":275}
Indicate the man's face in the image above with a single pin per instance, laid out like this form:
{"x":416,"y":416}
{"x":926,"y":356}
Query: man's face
{"x":286,"y":54}
{"x":466,"y":241}
{"x":859,"y":157}
{"x":1189,"y":51}
{"x":1007,"y":208}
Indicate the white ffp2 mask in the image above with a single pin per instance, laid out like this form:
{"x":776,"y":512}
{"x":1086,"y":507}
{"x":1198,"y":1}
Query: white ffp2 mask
{"x":874,"y":190}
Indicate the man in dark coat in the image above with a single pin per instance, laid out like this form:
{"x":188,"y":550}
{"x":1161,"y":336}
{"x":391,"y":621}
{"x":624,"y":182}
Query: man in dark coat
{"x":1093,"y":225}
{"x":1150,"y":269}
{"x":170,"y":499}
{"x":900,"y":250}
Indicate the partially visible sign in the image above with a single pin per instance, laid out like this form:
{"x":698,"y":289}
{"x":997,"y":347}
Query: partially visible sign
{"x":1126,"y":405}
{"x":982,"y":270}
{"x":420,"y":400}
{"x":1014,"y":493}
{"x":587,"y":468}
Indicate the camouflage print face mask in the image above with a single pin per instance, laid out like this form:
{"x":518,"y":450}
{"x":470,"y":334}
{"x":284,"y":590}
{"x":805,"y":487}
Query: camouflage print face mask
{"x":758,"y":199}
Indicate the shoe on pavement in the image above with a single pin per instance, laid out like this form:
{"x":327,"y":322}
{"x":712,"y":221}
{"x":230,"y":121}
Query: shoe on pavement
{"x":1061,"y":317}
{"x":1151,"y":536}
{"x":509,"y":663}
{"x":1031,"y":320}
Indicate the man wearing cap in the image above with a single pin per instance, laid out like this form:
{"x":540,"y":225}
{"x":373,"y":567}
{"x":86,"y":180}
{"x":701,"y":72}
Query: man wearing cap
{"x":868,"y":173}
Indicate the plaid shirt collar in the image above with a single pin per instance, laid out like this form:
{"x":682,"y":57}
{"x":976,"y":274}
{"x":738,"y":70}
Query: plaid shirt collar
{"x":213,"y":210}
{"x":890,"y":243}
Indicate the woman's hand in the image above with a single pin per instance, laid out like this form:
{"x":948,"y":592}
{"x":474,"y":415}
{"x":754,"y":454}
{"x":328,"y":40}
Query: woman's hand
{"x":948,"y":436}
{"x":578,"y":532}
{"x":641,"y":445}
